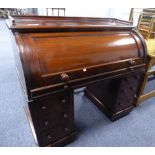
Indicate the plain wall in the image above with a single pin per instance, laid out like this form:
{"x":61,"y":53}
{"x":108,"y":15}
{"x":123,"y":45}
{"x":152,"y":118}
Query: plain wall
{"x":121,"y":13}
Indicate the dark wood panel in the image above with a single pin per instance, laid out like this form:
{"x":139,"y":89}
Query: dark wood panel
{"x":53,"y":117}
{"x":115,"y":97}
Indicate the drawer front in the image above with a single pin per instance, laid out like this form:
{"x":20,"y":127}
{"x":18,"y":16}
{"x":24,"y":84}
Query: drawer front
{"x":56,"y":133}
{"x":49,"y":121}
{"x":54,"y":104}
{"x":54,"y":109}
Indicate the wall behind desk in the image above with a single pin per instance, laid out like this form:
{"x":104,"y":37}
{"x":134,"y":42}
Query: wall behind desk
{"x":121,"y":13}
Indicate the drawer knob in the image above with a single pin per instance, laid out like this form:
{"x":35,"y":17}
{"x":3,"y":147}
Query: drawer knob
{"x":64,"y":77}
{"x":44,"y":108}
{"x":46,"y":123}
{"x":49,"y":136}
{"x":65,"y":86}
{"x":66,"y":129}
{"x":65,"y":115}
{"x":63,"y":100}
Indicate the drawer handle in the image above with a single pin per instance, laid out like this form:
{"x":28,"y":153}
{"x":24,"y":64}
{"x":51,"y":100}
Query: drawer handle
{"x":65,"y":115}
{"x":46,"y":123}
{"x":49,"y":136}
{"x":63,"y":100}
{"x":44,"y":108}
{"x":66,"y":86}
{"x":64,"y":77}
{"x":66,"y":129}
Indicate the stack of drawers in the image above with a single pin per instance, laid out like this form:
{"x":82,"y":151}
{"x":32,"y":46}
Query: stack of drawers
{"x":115,"y":97}
{"x":53,"y":117}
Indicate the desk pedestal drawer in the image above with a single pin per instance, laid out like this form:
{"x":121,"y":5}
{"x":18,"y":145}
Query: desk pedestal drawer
{"x":115,"y":97}
{"x":53,"y":117}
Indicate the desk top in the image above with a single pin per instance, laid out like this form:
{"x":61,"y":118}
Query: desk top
{"x":18,"y":23}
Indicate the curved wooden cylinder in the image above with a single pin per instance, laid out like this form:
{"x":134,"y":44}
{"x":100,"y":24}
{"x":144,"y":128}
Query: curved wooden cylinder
{"x":83,"y":55}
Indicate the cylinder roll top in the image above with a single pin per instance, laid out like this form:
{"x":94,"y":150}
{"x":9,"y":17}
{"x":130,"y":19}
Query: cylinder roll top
{"x":79,"y":50}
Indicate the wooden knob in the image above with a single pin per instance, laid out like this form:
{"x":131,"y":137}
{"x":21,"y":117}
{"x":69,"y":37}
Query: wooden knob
{"x":46,"y":123}
{"x":44,"y":108}
{"x":65,"y":86}
{"x":64,"y":77}
{"x":49,"y":136}
{"x":65,"y":115}
{"x":66,"y":129}
{"x":63,"y":100}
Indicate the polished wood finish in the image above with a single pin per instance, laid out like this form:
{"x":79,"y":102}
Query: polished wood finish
{"x":60,"y":54}
{"x":59,"y":23}
{"x":67,"y":55}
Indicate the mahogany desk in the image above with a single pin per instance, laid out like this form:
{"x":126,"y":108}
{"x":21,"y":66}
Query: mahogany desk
{"x":56,"y":55}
